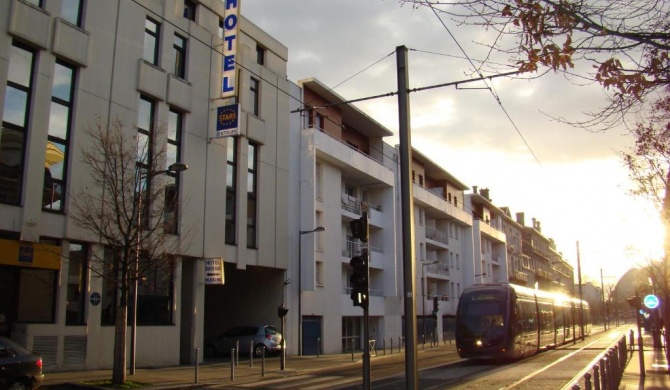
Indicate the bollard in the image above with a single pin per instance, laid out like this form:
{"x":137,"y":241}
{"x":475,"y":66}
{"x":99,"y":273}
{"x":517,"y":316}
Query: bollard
{"x":631,"y":341}
{"x":587,"y":381}
{"x":603,"y":373}
{"x":596,"y":377}
{"x":251,"y":353}
{"x":263,"y":362}
{"x":352,"y":350}
{"x":232,"y":364}
{"x":318,"y":347}
{"x":575,"y":387}
{"x":237,"y":352}
{"x":391,"y":338}
{"x":197,"y":352}
{"x":423,"y":344}
{"x":640,"y":354}
{"x":384,"y":345}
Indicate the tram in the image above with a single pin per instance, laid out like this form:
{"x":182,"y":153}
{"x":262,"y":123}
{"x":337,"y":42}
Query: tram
{"x":506,"y":321}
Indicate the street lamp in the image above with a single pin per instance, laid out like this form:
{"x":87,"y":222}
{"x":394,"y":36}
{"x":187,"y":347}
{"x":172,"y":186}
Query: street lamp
{"x":302,"y":232}
{"x":173,"y":168}
{"x":423,"y":295}
{"x":482,"y":274}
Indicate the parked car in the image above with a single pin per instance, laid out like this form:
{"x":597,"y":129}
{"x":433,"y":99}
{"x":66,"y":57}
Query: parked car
{"x":20,"y":369}
{"x":263,"y":336}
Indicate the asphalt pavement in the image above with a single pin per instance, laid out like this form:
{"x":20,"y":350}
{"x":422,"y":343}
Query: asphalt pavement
{"x":220,"y":372}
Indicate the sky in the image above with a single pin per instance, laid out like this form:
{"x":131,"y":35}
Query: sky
{"x":509,"y":141}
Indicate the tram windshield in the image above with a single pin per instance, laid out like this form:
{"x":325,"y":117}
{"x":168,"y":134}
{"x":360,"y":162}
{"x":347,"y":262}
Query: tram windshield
{"x":482,"y":313}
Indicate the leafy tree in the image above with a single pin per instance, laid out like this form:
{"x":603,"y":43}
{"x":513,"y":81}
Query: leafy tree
{"x":130,"y":208}
{"x":625,"y":42}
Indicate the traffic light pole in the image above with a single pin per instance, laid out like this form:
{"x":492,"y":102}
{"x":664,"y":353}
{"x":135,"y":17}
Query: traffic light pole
{"x":360,"y":284}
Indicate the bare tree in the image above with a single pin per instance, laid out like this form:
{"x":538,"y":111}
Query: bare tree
{"x":131,"y":209}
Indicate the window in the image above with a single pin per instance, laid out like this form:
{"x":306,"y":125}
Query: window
{"x":144,"y":154}
{"x":319,"y":239}
{"x":221,"y":28}
{"x":15,"y":122}
{"x":109,"y":291}
{"x":260,"y":55}
{"x":60,"y":122}
{"x":253,"y":96}
{"x":319,"y":273}
{"x":319,"y":192}
{"x":151,"y":40}
{"x":76,"y":284}
{"x":179,"y":47}
{"x":155,"y":293}
{"x":37,"y":3}
{"x":252,"y":195}
{"x":171,"y":211}
{"x":189,"y":9}
{"x":71,"y":11}
{"x":231,"y":188}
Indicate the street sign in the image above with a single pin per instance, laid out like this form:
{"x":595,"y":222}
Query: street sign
{"x":651,"y":301}
{"x":214,"y":271}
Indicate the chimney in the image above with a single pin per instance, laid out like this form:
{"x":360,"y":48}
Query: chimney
{"x":474,"y":189}
{"x":521,"y":219}
{"x":538,"y":228}
{"x":485,"y":193}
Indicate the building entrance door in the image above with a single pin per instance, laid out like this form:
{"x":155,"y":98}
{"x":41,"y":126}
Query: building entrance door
{"x":8,"y":301}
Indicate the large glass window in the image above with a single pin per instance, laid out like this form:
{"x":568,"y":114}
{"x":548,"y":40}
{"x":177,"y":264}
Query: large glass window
{"x":109,"y":290}
{"x":252,"y":176}
{"x":36,"y":295}
{"x":231,"y":188}
{"x":15,"y":122}
{"x":155,"y":294}
{"x":179,"y":47}
{"x":60,"y":119}
{"x":171,"y":215}
{"x":76,"y":284}
{"x":151,"y":40}
{"x":144,"y":153}
{"x":254,"y":86}
{"x":71,"y":10}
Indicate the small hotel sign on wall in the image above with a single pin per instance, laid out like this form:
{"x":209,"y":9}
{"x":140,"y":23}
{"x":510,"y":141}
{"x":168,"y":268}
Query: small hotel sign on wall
{"x":227,"y":121}
{"x":230,"y":31}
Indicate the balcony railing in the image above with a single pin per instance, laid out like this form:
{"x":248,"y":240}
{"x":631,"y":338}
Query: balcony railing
{"x":356,"y":206}
{"x":373,"y":293}
{"x":437,"y":235}
{"x":438,"y":269}
{"x":353,"y":248}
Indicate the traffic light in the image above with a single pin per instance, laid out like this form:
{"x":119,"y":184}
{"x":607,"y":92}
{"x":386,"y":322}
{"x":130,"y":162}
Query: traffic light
{"x":359,"y":280}
{"x":359,"y":227}
{"x":282,"y":311}
{"x":436,"y":306}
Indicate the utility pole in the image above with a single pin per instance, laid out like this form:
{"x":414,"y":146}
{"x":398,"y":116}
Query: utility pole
{"x":581,"y":301}
{"x":602,"y":293}
{"x":406,"y":201}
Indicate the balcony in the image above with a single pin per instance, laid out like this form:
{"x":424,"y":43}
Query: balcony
{"x":432,"y":199}
{"x":344,"y":156}
{"x":437,"y":235}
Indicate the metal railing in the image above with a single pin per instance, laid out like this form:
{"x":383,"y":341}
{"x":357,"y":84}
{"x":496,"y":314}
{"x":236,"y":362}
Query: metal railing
{"x":605,"y":371}
{"x":437,"y":235}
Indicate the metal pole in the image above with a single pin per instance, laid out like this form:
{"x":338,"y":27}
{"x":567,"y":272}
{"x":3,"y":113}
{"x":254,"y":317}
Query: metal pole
{"x":423,"y":302}
{"x":602,"y":294}
{"x":299,"y":293}
{"x":366,"y":349}
{"x":581,"y":304}
{"x":136,"y":269}
{"x":197,"y":353}
{"x":407,"y":217}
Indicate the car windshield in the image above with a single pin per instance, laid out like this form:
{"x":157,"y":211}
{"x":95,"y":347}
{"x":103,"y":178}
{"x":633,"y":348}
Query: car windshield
{"x":12,"y":345}
{"x":271,"y":330}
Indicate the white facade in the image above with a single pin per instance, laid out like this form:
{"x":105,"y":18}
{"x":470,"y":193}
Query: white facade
{"x":104,"y":45}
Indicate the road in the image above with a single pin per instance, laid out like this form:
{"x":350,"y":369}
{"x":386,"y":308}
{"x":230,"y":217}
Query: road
{"x":550,"y":369}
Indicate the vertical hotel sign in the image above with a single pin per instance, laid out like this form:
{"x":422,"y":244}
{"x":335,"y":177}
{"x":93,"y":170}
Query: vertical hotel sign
{"x":230,"y":38}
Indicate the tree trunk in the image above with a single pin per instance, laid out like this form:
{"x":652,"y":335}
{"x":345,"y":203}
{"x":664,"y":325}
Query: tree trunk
{"x":120,"y":330}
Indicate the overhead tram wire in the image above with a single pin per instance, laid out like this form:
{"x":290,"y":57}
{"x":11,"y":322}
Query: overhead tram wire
{"x":495,"y":95}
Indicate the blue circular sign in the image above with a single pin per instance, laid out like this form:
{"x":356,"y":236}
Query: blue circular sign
{"x":95,"y":299}
{"x":651,"y":301}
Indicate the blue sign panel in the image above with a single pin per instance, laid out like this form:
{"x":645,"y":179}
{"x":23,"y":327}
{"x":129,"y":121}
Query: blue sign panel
{"x":227,"y":121}
{"x":26,"y":254}
{"x":651,"y":301}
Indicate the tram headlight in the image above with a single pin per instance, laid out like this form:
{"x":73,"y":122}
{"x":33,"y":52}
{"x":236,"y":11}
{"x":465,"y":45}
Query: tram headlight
{"x":478,"y":343}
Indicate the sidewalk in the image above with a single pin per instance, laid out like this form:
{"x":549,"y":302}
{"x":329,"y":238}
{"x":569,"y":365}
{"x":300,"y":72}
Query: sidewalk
{"x":655,"y":368}
{"x":218,"y":372}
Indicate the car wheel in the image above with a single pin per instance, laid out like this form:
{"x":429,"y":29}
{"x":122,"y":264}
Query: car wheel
{"x":20,"y":384}
{"x":210,"y":351}
{"x":258,"y":350}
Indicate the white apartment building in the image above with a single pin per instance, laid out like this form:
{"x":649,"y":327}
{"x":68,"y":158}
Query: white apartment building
{"x":152,"y":65}
{"x":443,"y":245}
{"x":344,"y":169}
{"x":490,"y":254}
